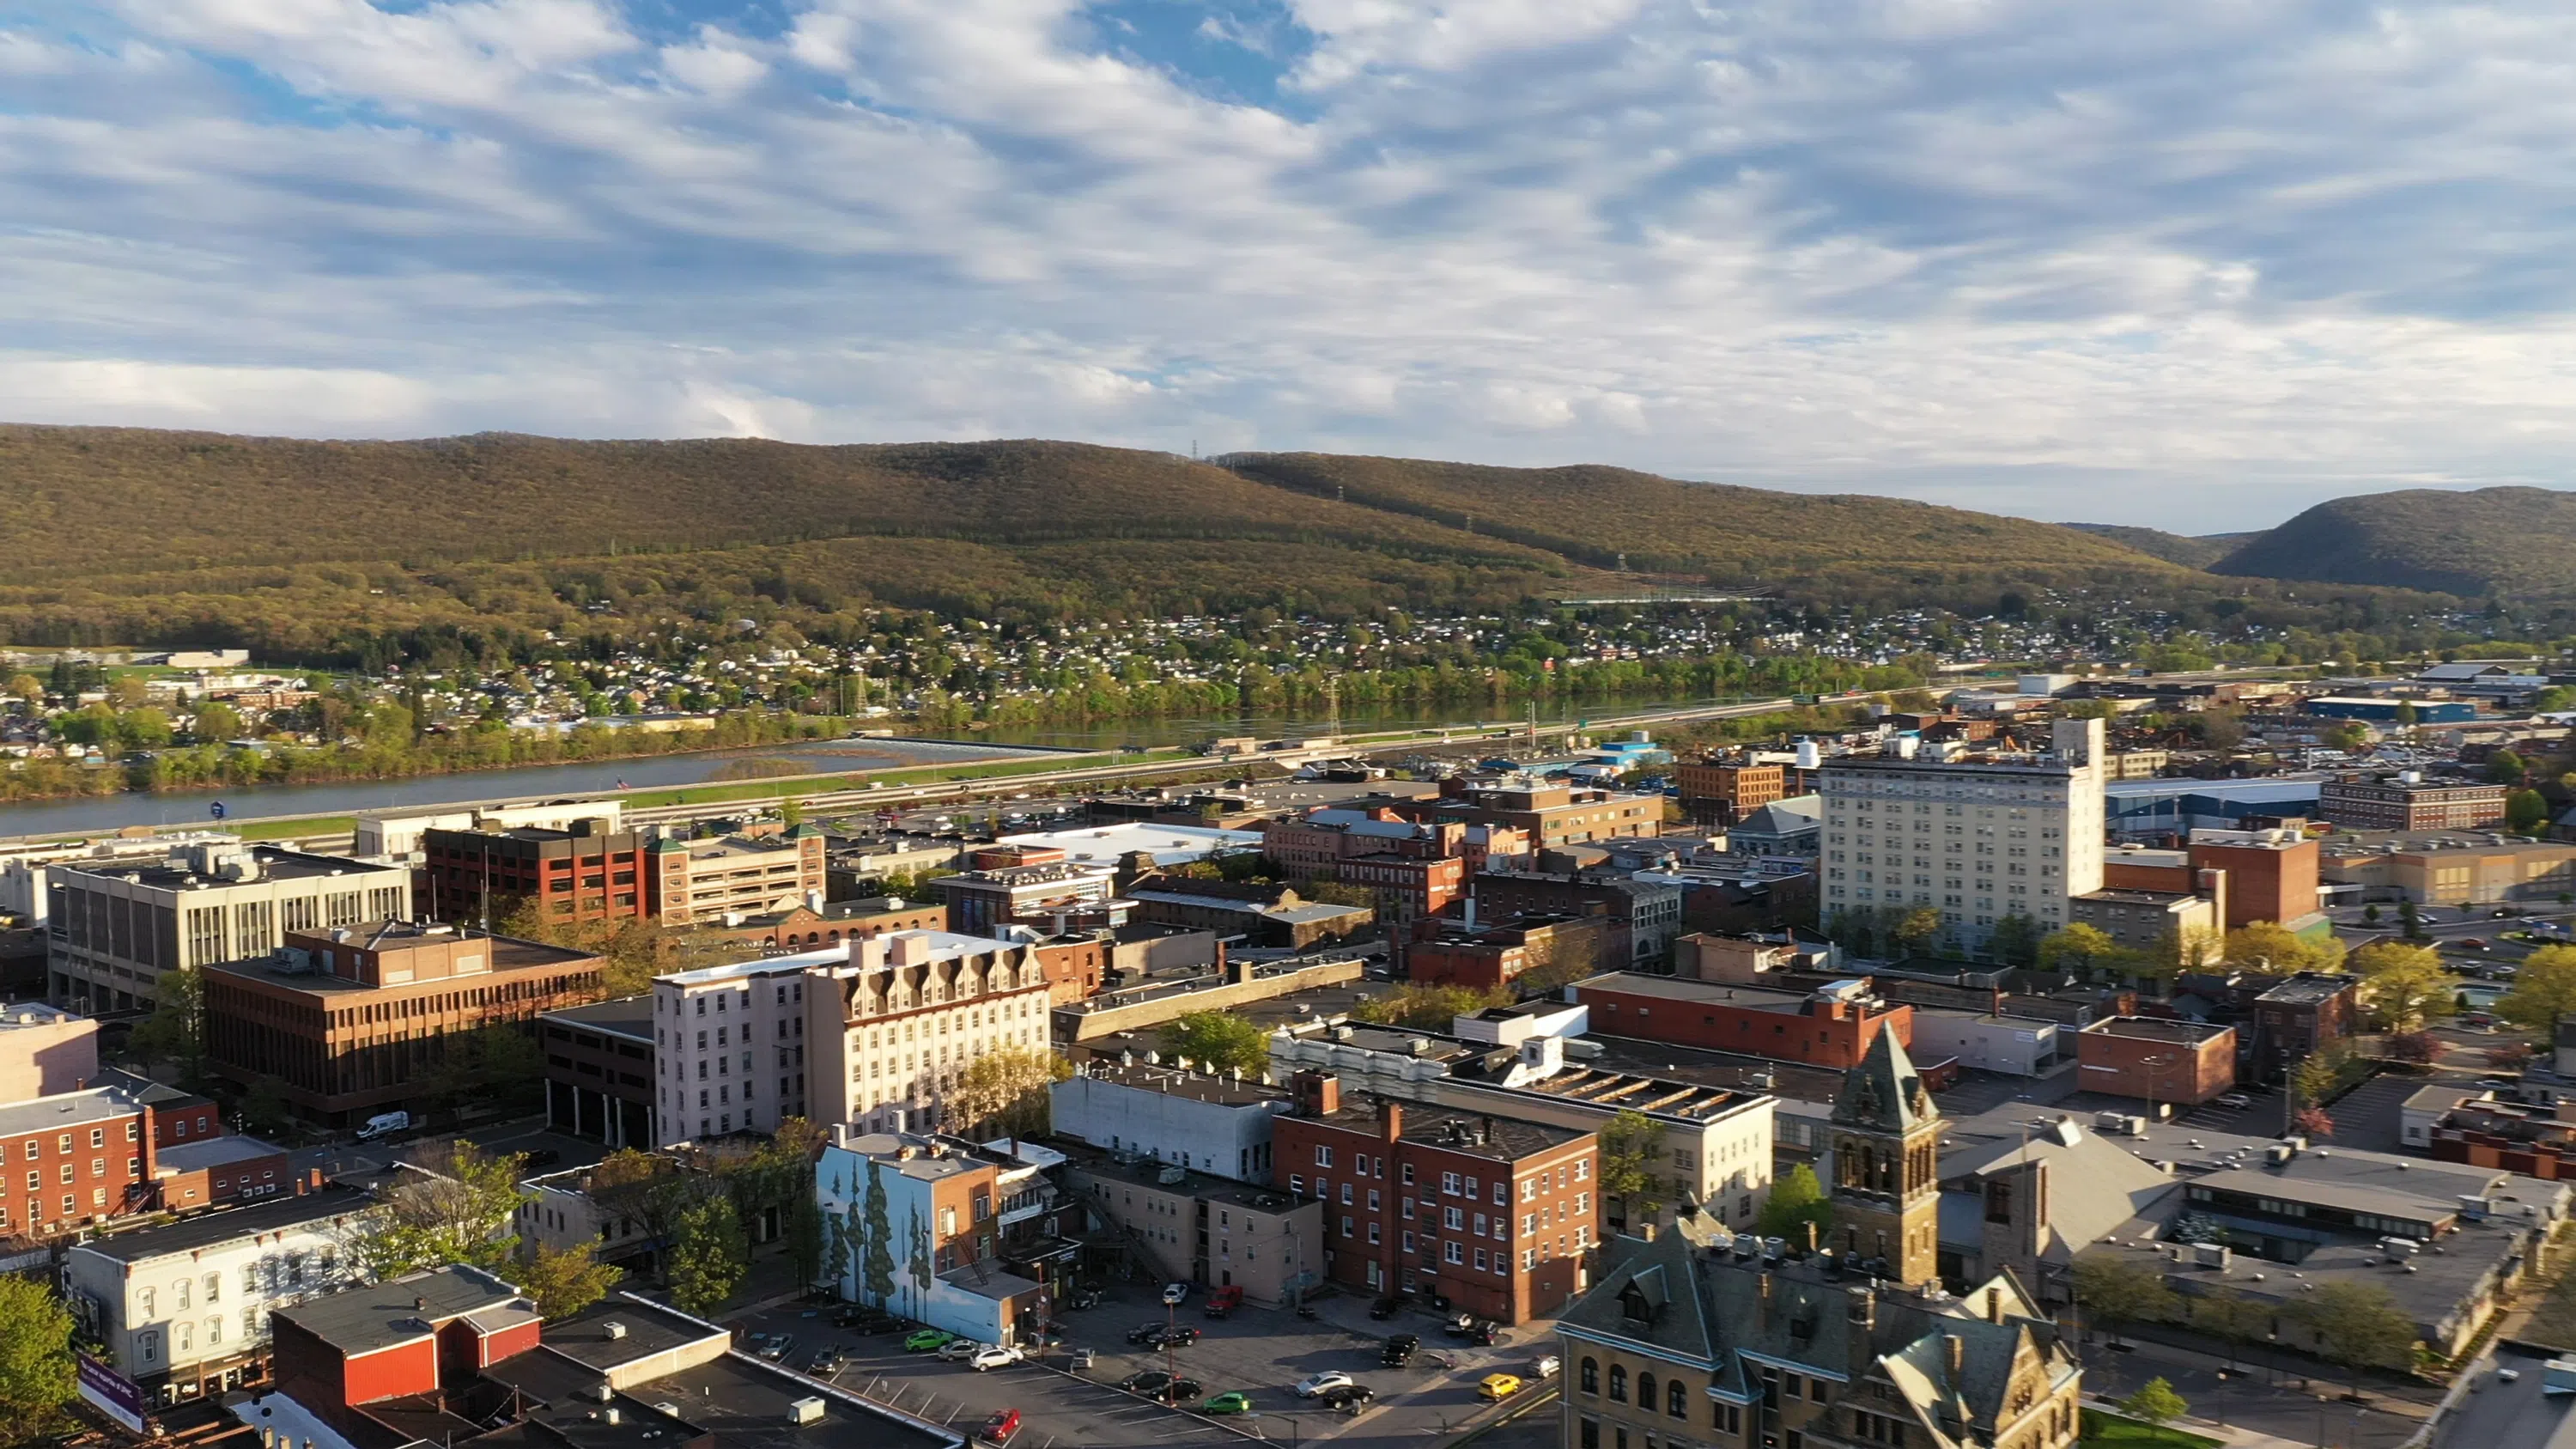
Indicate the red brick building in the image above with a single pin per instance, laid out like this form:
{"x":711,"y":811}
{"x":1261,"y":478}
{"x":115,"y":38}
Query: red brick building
{"x":1493,"y":1215}
{"x":221,"y":1171}
{"x":1831,"y":1028}
{"x":586,"y":873}
{"x":1074,"y":966}
{"x":1408,"y":888}
{"x":1716,"y":792}
{"x":73,"y":1159}
{"x":1453,"y":953}
{"x":2154,"y":1060}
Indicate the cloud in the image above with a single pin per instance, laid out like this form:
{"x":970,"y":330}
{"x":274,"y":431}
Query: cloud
{"x":2119,"y":260}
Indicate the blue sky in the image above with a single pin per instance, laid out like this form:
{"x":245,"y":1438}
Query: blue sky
{"x":2194,"y":263}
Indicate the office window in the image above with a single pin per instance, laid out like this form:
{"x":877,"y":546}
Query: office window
{"x":1323,"y":1155}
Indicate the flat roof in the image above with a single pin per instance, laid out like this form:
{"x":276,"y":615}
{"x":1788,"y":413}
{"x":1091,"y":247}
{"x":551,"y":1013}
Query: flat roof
{"x":1103,"y":845}
{"x":644,"y":1329}
{"x":1506,"y":1140}
{"x":67,"y":1109}
{"x":1171,"y":1081}
{"x":628,"y":1016}
{"x":1684,"y":988}
{"x":2351,"y":1197}
{"x":1630,"y":1091}
{"x":274,"y":864}
{"x":2307,"y":988}
{"x":943,"y":945}
{"x":2127,"y":896}
{"x":380,"y":1315}
{"x":205,"y":1230}
{"x":2156,"y":1028}
{"x":509,"y":954}
{"x":215,"y":1152}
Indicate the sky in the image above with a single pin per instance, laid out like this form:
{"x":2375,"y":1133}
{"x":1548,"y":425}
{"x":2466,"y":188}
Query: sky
{"x":2190,"y":263}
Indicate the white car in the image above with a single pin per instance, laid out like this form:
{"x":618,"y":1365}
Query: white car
{"x":1175,"y":1292}
{"x":1331,"y":1379}
{"x":995,"y":1357}
{"x":1545,"y":1366}
{"x":958,"y":1350}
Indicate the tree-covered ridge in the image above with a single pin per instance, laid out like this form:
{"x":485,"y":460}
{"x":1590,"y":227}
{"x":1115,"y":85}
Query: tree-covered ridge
{"x":2510,"y":541}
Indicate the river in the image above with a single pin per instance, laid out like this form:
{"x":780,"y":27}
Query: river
{"x":70,"y":817}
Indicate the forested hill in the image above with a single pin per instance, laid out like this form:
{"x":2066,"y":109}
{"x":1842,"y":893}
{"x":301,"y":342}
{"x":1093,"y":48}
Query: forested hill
{"x":2190,"y":551}
{"x":310,"y":549}
{"x":2514,"y":541}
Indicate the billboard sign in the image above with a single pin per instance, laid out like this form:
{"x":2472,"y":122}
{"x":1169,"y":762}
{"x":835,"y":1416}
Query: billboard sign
{"x":112,"y":1394}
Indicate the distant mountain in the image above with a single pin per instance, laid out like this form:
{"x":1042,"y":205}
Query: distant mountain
{"x":2516,"y":541}
{"x":2191,"y":552}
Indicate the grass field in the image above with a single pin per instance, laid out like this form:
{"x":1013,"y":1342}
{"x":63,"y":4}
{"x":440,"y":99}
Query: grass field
{"x":2111,"y":1429}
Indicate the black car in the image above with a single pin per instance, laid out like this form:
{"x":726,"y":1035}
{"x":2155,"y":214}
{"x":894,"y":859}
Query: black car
{"x":1179,"y":1335}
{"x":1083,"y":1298}
{"x":1383,"y":1309}
{"x":825,"y":1364}
{"x":1482,"y":1334}
{"x":1144,"y":1333}
{"x":1399,"y":1350}
{"x":1148,"y":1383}
{"x":1182,"y":1391}
{"x":1458,"y":1325}
{"x":1350,"y":1398}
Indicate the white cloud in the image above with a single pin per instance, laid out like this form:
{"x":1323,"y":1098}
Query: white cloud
{"x":1987,"y":250}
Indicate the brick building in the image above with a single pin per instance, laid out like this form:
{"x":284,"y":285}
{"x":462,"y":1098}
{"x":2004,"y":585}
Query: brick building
{"x":2409,"y":802}
{"x":1644,"y":916}
{"x":1460,"y":953}
{"x":599,"y":1070}
{"x":2181,"y":1062}
{"x":2303,"y":1015}
{"x":1718,"y":792}
{"x":689,"y":881}
{"x":1493,"y":1215}
{"x":74,"y":1159}
{"x":1832,"y":1027}
{"x":1549,"y":815}
{"x":348,"y":1022}
{"x":585,"y":873}
{"x":1408,"y":888}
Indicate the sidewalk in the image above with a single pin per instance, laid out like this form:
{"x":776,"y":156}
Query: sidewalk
{"x":2258,"y":1365}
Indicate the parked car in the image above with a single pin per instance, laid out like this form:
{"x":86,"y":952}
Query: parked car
{"x":1180,"y":1391}
{"x":1082,"y":1298}
{"x":1498,"y":1386}
{"x":1484,"y":1332}
{"x":866,"y":1320}
{"x":1314,"y":1384}
{"x":1545,"y":1366}
{"x":1144,"y":1333}
{"x":1080,"y":1360}
{"x":1383,"y":1309}
{"x":1176,"y":1292}
{"x":1349,"y":1398}
{"x":1231,"y":1403}
{"x":1224,"y":1301}
{"x":1179,"y":1335}
{"x":1399,"y":1350}
{"x":958,"y":1350}
{"x":771,"y":1346}
{"x":1001,"y":1428}
{"x":1458,"y":1325}
{"x":1148,"y":1383}
{"x":996,"y":1356}
{"x":923,"y":1340}
{"x":2233,"y":1101}
{"x":825,"y":1364}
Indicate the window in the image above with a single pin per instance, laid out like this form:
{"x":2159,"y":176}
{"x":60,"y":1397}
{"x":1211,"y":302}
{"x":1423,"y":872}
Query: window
{"x":1618,"y":1384}
{"x":1297,"y":1183}
{"x":1449,"y":1184}
{"x":1676,"y":1404}
{"x":1346,"y":1225}
{"x":98,"y":1137}
{"x":1588,"y":1434}
{"x":1451,"y":1252}
{"x":1591,"y":1379}
{"x":1346,"y":1194}
{"x":1323,"y":1154}
{"x":1646,"y":1392}
{"x":1406,"y":1173}
{"x":1502,"y":1193}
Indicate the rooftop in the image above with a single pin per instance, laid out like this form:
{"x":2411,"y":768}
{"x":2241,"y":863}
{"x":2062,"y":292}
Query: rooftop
{"x":1655,"y":1096}
{"x":2309,"y":987}
{"x":1171,"y":1081}
{"x":272,"y":864}
{"x":214,"y":1152}
{"x":364,"y":1319}
{"x":2152,"y":1028}
{"x":1502,"y":1140}
{"x":628,"y":1016}
{"x":188,"y":1235}
{"x":2347,"y":1196}
{"x":1684,"y":988}
{"x":2123,"y":896}
{"x":67,"y":1109}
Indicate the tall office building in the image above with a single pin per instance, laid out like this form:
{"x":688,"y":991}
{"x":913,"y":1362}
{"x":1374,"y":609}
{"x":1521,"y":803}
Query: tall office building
{"x":1977,"y":836}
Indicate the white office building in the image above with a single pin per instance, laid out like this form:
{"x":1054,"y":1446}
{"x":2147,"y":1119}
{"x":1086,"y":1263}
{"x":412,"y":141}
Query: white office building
{"x":1976,"y":836}
{"x":896,"y":1017}
{"x":729,"y":1047}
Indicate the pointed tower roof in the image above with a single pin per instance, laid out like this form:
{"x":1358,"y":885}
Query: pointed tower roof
{"x":1884,"y":1093}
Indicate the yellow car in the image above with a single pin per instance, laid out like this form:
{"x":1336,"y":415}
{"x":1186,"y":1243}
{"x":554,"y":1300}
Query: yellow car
{"x":1498,"y":1387}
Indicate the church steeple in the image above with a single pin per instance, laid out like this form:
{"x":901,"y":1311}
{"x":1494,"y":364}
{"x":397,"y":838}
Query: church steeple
{"x":1886,"y":1134}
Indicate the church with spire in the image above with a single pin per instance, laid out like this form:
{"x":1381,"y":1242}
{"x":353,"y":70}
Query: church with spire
{"x":1696,"y":1337}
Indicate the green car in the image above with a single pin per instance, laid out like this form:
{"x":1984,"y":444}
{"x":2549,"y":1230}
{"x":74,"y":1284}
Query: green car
{"x":1228,"y":1404}
{"x":924,"y":1340}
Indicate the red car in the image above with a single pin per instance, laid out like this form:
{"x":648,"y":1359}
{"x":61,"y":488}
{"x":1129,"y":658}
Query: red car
{"x":1002,"y":1428}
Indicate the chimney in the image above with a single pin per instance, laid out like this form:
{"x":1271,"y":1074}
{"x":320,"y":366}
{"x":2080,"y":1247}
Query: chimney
{"x":1957,"y":1349}
{"x":1484,"y":1131}
{"x":1994,"y":1305}
{"x":1390,"y":1116}
{"x":1646,"y":1232}
{"x":1764,"y":1290}
{"x":1861,"y":1307}
{"x":419,"y":1304}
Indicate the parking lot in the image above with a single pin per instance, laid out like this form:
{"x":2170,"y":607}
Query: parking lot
{"x":1258,"y":1352}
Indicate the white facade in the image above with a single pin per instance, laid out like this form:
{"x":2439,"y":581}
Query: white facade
{"x":2019,"y":1046}
{"x":1216,"y":1125}
{"x":729,"y":1047}
{"x":895,"y":1018}
{"x":183,"y":1301}
{"x":1975,"y":839}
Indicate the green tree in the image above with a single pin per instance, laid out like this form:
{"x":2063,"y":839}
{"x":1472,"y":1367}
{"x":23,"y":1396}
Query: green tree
{"x":2318,"y":1077}
{"x":143,"y":729}
{"x":175,"y":1032}
{"x":2076,"y":948}
{"x":265,"y":1108}
{"x":1005,"y":1092}
{"x":709,"y":1255}
{"x":1427,"y":1008}
{"x":1797,"y":1199}
{"x":806,"y":1238}
{"x":23,"y":685}
{"x":1631,"y":1144}
{"x":2232,"y":1318}
{"x":2526,"y":811}
{"x":564,"y":1281}
{"x":216,"y":721}
{"x":454,"y":1208}
{"x":1916,"y":928}
{"x":2015,"y":940}
{"x":2543,"y":991}
{"x":1221,"y":1040}
{"x":647,"y":1188}
{"x":2266,"y":949}
{"x":36,"y":1371}
{"x":2113,"y":1291}
{"x":2155,"y":1402}
{"x":2355,"y":1324}
{"x":2504,"y":767}
{"x":2402,"y":984}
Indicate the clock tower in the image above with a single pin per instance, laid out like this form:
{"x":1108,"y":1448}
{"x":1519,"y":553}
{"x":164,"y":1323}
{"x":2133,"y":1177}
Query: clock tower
{"x":1886,"y":1190}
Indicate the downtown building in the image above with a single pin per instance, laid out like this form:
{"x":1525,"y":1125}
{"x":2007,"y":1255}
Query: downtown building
{"x":1975,"y":837}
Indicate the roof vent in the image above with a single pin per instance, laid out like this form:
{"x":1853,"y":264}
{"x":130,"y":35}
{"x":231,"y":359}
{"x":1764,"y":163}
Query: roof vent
{"x":615,"y":1329}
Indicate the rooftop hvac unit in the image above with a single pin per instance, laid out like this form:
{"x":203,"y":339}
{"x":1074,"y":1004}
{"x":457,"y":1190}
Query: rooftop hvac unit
{"x":2210,"y":1255}
{"x":805,"y":1411}
{"x":614,"y":1328}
